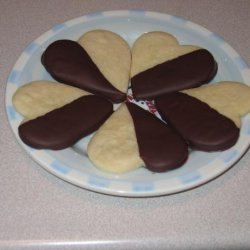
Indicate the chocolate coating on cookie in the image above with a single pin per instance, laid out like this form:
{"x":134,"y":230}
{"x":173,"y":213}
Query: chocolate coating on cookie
{"x":201,"y":126}
{"x":186,"y":71}
{"x":160,"y":147}
{"x":69,"y":63}
{"x":64,"y":126}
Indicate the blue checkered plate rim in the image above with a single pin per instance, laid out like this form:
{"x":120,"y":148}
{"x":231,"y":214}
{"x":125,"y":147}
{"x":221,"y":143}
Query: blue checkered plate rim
{"x":72,"y":164}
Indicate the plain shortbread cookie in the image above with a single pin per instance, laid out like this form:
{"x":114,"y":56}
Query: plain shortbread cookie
{"x":112,"y":55}
{"x":114,"y":147}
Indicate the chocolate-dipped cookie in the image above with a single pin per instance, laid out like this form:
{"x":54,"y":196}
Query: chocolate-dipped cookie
{"x":89,"y":64}
{"x":231,"y":99}
{"x":201,"y":126}
{"x":160,"y":147}
{"x":40,"y":97}
{"x":63,"y":127}
{"x":161,"y":65}
{"x":133,"y":137}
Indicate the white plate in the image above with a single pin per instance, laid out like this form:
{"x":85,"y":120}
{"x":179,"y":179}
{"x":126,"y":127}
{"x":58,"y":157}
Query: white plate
{"x":72,"y":164}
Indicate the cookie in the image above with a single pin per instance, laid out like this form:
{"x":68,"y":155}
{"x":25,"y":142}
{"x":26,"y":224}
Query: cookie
{"x":112,"y":55}
{"x":200,"y":125}
{"x":161,"y":65}
{"x":152,"y":48}
{"x":231,"y":99}
{"x":114,"y":148}
{"x":160,"y":147}
{"x":39,"y":97}
{"x":132,"y":137}
{"x":63,"y":127}
{"x":99,"y":63}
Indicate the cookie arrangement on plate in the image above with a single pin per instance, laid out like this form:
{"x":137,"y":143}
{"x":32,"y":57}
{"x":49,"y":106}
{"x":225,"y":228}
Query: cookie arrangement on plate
{"x":93,"y":73}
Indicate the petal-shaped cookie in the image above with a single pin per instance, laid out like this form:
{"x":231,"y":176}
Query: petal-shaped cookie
{"x":132,"y":137}
{"x":39,"y":97}
{"x":99,"y":63}
{"x":160,"y":147}
{"x":112,"y":55}
{"x":150,"y":49}
{"x":63,"y":127}
{"x":160,"y":65}
{"x":201,"y":126}
{"x":114,"y":148}
{"x":231,"y":99}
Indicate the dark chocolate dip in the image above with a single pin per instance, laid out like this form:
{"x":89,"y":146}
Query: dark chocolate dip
{"x":201,"y":126}
{"x":186,"y":71}
{"x":68,"y":62}
{"x":63,"y":127}
{"x":160,"y":147}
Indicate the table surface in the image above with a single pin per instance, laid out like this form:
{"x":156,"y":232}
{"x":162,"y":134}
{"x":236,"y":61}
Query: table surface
{"x":40,"y":211}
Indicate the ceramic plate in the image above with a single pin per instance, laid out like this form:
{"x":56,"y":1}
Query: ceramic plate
{"x":72,"y":164}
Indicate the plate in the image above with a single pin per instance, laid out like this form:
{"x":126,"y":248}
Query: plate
{"x":72,"y":164}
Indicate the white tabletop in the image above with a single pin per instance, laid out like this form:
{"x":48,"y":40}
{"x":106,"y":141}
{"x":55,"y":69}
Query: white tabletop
{"x":41,"y":211}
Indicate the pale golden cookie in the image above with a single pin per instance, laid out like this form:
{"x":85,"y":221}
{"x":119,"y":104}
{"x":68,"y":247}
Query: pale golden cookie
{"x":39,"y":97}
{"x":112,"y":55}
{"x":114,"y":146}
{"x":231,"y":99}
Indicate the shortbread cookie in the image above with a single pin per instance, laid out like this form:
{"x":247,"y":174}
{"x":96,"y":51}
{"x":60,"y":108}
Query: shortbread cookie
{"x":201,"y":126}
{"x":112,"y":55}
{"x":132,"y":137}
{"x":231,"y":99}
{"x":160,"y":65}
{"x":114,"y":147}
{"x":68,"y":62}
{"x":39,"y":97}
{"x":63,"y":127}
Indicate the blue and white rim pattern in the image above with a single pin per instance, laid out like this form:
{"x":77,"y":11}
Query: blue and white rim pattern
{"x":118,"y":186}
